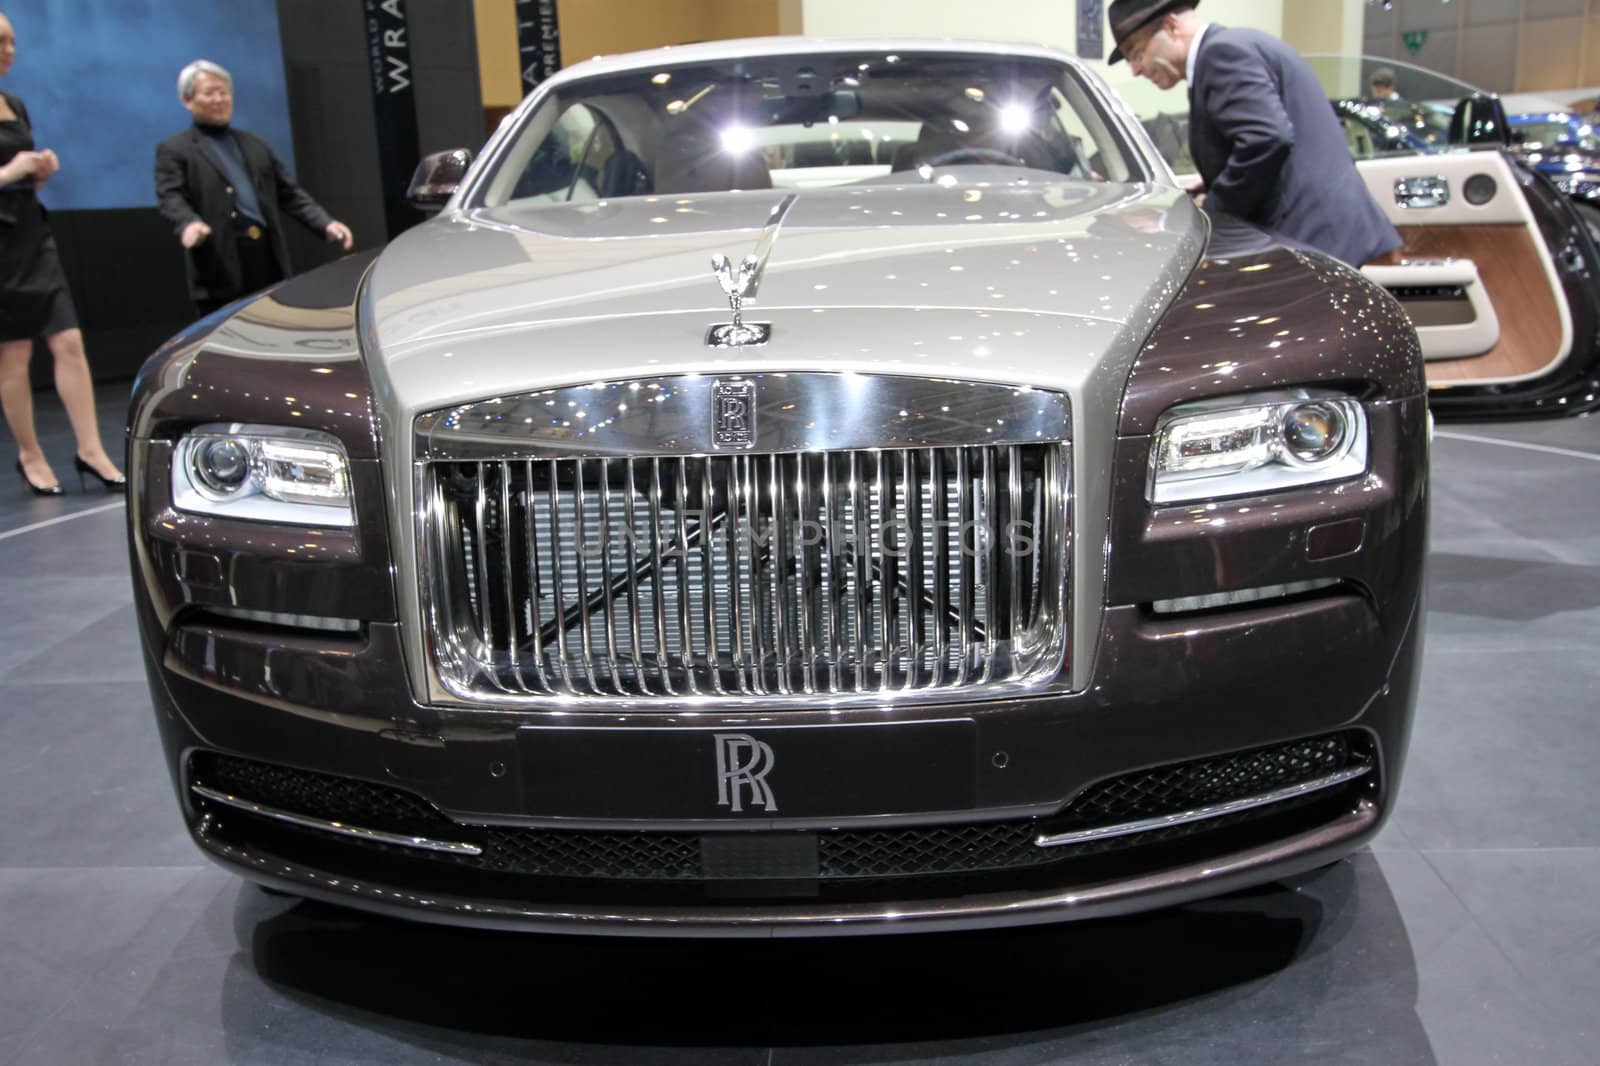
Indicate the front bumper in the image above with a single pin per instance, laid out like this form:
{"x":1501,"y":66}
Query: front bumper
{"x":1029,"y":765}
{"x":1167,"y":886}
{"x":1165,"y":691}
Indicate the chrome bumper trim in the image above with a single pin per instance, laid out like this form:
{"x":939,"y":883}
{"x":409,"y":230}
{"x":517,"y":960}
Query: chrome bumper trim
{"x":1208,"y":877}
{"x":1200,"y":814}
{"x":375,"y":835}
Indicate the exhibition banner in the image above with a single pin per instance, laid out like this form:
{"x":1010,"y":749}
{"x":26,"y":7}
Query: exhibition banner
{"x":538,"y":41}
{"x":1091,"y":29}
{"x":394,"y":108}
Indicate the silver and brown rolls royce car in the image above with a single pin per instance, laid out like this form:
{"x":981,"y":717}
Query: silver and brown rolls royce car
{"x":791,"y":487}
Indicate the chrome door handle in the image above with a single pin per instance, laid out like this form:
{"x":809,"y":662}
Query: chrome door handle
{"x":1421,"y":192}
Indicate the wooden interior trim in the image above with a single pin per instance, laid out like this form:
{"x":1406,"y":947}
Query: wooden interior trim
{"x":1511,"y":269}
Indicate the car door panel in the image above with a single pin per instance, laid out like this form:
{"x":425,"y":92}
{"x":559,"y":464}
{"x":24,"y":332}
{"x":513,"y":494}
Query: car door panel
{"x":1445,"y":297}
{"x":1510,"y":320}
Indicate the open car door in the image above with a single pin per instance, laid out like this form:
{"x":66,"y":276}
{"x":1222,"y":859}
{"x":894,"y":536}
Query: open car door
{"x":1500,"y":278}
{"x":1472,"y":246}
{"x":1498,"y":271}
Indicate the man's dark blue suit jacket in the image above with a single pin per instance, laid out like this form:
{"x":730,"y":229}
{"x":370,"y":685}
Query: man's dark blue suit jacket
{"x":1271,"y":150}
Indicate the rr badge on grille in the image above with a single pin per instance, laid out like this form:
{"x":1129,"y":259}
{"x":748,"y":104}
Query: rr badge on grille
{"x":743,"y":762}
{"x":733,"y":414}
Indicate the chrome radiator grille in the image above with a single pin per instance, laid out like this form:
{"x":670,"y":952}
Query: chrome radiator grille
{"x":834,"y":573}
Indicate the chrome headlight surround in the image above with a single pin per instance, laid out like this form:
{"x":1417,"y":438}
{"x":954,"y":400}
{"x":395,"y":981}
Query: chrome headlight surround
{"x":279,"y":474}
{"x":1256,"y":443}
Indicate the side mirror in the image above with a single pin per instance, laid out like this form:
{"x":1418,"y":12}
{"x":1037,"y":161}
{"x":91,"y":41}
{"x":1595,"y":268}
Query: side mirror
{"x":437,"y":177}
{"x":1480,"y":120}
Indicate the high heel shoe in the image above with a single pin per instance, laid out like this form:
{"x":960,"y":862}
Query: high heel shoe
{"x":110,"y":484}
{"x":39,"y":490}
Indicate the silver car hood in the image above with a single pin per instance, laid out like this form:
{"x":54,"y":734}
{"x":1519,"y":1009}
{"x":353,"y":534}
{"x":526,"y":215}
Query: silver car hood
{"x":1039,"y":276}
{"x":1053,"y":285}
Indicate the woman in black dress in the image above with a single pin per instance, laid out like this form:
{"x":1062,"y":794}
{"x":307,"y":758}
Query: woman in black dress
{"x":34,"y":302}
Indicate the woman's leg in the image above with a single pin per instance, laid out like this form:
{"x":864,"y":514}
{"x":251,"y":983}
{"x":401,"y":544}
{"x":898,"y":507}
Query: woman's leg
{"x":16,"y":397}
{"x":77,"y":396}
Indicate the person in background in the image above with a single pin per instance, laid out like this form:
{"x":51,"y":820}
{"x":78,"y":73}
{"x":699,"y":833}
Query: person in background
{"x":1268,"y":147}
{"x":34,"y":302}
{"x":226,"y":193}
{"x":1382,"y":84}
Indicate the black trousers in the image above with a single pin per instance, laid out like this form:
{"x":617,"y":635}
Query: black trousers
{"x":258,"y":267}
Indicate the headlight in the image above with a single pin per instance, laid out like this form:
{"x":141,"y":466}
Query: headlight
{"x":220,"y":467}
{"x":1244,"y":445}
{"x":263,"y":473}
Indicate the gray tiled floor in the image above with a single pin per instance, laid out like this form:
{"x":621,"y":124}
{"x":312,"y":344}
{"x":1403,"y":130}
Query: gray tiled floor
{"x":1467,"y":934}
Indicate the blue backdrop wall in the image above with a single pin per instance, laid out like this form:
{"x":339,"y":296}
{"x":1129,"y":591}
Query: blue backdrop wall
{"x":99,"y":78}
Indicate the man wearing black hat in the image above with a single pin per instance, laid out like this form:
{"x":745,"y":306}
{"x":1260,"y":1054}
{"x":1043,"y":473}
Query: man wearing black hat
{"x":1267,"y":144}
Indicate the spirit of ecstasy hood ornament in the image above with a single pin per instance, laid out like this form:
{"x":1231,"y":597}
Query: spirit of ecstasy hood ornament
{"x":738,"y":285}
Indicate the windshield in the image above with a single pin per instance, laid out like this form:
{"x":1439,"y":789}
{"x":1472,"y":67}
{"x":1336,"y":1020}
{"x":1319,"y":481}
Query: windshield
{"x":808,"y":121}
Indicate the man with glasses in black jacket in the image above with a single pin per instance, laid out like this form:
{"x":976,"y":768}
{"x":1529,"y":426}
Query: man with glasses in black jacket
{"x":225,"y":193}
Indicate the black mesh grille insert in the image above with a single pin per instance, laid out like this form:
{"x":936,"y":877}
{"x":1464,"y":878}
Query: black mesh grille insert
{"x":939,"y":849}
{"x":1184,"y":786}
{"x":324,"y":796}
{"x":569,"y":853}
{"x":842,"y":854}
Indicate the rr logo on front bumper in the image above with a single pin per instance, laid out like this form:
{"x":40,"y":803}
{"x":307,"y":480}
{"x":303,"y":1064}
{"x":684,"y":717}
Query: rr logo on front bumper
{"x":743,"y":762}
